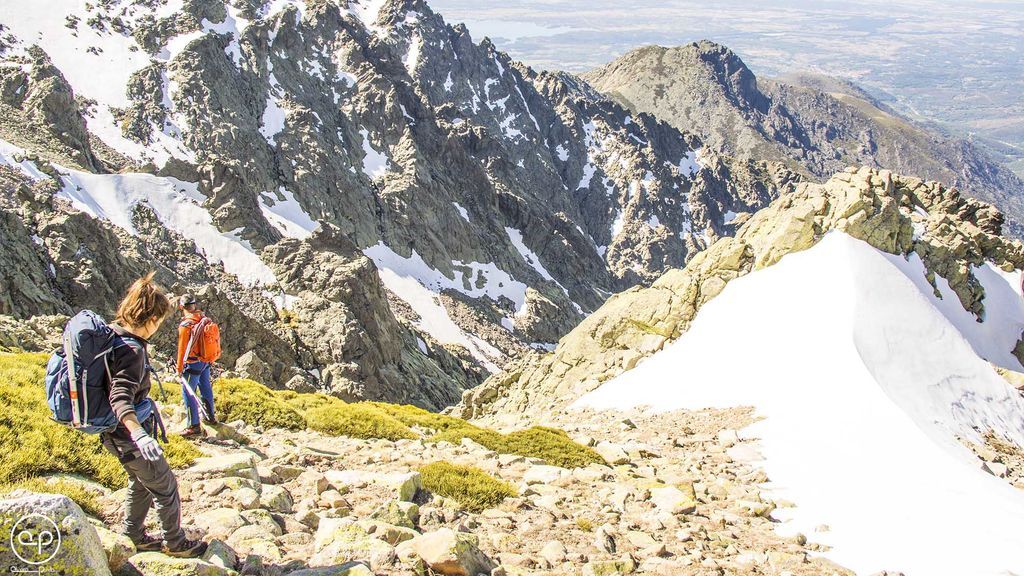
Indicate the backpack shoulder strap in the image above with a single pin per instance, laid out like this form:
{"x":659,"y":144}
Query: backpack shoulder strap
{"x":122,"y":342}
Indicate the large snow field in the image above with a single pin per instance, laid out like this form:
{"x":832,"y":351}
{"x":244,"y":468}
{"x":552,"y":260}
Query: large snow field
{"x":864,"y":379}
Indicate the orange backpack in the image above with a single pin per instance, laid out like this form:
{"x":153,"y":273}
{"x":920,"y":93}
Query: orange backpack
{"x":205,"y":339}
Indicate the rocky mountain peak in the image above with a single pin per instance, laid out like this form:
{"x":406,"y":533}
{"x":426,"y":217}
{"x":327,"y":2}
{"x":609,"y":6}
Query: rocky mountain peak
{"x":952,"y":235}
{"x":815,"y":125}
{"x":486,"y":207}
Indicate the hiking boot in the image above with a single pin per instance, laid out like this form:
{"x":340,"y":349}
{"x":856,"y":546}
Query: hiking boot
{"x":187,"y":549}
{"x":195,"y":431}
{"x":148,"y":544}
{"x":211,"y":421}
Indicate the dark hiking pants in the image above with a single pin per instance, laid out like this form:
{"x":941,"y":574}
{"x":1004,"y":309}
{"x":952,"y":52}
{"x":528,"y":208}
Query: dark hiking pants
{"x":149,"y":483}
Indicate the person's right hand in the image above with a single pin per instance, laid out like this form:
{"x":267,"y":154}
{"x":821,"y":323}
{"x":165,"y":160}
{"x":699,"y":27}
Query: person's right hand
{"x":146,"y":444}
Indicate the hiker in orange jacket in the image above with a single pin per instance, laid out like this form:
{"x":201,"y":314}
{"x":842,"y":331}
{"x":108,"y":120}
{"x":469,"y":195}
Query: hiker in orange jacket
{"x":194,"y":371}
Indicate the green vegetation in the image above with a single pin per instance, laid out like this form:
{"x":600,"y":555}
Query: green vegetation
{"x":551,"y":445}
{"x":357,"y":420}
{"x":585,"y":524}
{"x":414,"y":417}
{"x":180,"y":453}
{"x":31,"y":444}
{"x":239,"y":399}
{"x":471,"y":487}
{"x":256,"y":404}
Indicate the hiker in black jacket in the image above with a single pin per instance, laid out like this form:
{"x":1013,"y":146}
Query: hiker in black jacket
{"x":150,"y":479}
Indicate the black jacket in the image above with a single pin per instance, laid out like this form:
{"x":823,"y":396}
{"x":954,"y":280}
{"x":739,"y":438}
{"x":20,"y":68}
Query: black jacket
{"x":129,"y":376}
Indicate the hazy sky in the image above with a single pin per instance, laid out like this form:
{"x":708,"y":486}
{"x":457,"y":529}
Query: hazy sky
{"x":958,"y":62}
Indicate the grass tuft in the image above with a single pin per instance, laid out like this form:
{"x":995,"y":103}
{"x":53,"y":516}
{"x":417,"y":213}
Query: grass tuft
{"x":240,"y":399}
{"x":548,"y":444}
{"x":474,"y":489}
{"x":553,"y":446}
{"x":412,"y":417}
{"x":180,"y":453}
{"x":356,"y":420}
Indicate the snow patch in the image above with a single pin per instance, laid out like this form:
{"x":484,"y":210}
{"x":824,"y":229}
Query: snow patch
{"x":690,"y":164}
{"x":563,"y":155}
{"x":286,"y":215}
{"x":864,"y":383}
{"x":367,"y":11}
{"x":462,"y":211}
{"x":375,"y":164}
{"x":474,"y":279}
{"x":112,"y":197}
{"x":412,"y":56}
{"x":274,"y":117}
{"x":403,"y":277}
{"x":8,"y":152}
{"x":618,"y":223}
{"x":528,"y":255}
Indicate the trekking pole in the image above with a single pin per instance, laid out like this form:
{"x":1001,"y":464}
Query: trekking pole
{"x":192,"y":394}
{"x":159,"y":382}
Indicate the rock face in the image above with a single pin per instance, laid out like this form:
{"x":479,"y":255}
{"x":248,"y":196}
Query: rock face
{"x":814,"y":124}
{"x":39,"y":105}
{"x":469,"y":208}
{"x":344,"y":314}
{"x":893,"y":213}
{"x":50,"y":530}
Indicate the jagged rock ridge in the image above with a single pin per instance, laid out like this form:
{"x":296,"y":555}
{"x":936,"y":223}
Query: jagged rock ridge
{"x":895,"y":214}
{"x":498,"y":205}
{"x":817,"y":125}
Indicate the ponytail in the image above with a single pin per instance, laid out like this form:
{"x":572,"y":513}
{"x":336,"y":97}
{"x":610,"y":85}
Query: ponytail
{"x":144,"y":303}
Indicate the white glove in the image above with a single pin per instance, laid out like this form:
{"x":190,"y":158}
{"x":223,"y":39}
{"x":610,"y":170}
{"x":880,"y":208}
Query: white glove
{"x":147,"y":445}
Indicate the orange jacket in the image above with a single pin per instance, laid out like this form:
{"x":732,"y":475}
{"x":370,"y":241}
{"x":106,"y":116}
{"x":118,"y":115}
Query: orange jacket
{"x":184,"y":333}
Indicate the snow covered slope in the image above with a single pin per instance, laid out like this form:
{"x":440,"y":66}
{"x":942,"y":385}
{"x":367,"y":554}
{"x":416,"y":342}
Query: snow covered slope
{"x":177,"y":204}
{"x":864,"y":379}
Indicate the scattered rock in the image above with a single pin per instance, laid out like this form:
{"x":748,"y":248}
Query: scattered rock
{"x":543,"y":474}
{"x":398,"y":513}
{"x":626,"y":565}
{"x":156,"y":564}
{"x":220,"y":523}
{"x":728,"y":438}
{"x":612,"y":453}
{"x":276,"y":498}
{"x":220,"y":554}
{"x":348,"y":569}
{"x":240,"y":464}
{"x":118,"y":547}
{"x":554,"y":552}
{"x":406,"y":485}
{"x":451,"y":553}
{"x":673,"y":500}
{"x":995,"y":468}
{"x":339,"y":540}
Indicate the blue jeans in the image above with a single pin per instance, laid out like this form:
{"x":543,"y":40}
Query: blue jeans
{"x":198,"y":376}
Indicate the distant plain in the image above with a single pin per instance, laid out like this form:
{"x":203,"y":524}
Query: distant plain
{"x":958,"y":65}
